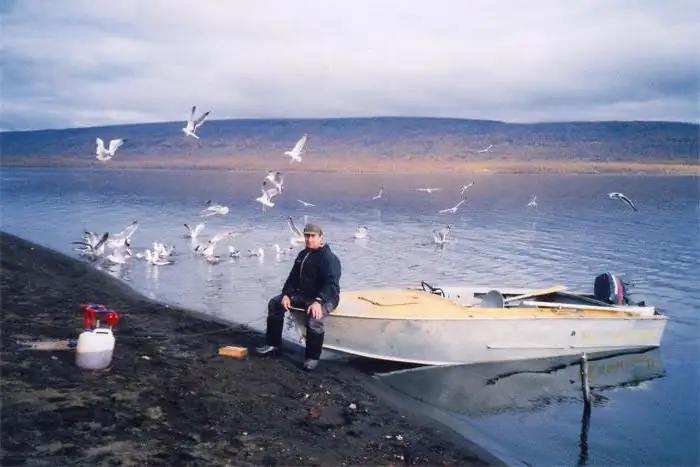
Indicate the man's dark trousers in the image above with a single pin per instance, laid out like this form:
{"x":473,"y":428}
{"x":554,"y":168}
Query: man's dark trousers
{"x":314,"y":327}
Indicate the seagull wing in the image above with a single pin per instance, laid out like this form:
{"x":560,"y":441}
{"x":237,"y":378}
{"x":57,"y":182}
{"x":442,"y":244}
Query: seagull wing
{"x":269,"y":193}
{"x":190,"y":119}
{"x":222,"y":235}
{"x":129,"y":230}
{"x":293,"y":227}
{"x":628,"y":201}
{"x":300,"y":144}
{"x":100,"y":145}
{"x":115,"y":144}
{"x":200,"y":120}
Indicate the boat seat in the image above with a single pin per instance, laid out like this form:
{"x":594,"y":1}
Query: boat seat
{"x":492,"y":299}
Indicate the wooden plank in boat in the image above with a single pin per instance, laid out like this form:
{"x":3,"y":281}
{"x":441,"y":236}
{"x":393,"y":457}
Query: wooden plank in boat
{"x":536,"y":293}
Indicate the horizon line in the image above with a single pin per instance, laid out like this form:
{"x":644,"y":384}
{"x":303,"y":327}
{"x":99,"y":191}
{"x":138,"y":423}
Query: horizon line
{"x":416,"y":117}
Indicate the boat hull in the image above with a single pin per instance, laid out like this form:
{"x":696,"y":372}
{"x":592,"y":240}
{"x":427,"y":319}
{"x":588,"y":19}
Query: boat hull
{"x":487,"y":339}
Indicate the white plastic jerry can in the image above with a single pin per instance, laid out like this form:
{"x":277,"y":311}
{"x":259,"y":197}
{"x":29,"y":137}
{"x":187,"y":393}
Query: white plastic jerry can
{"x":94,"y":349}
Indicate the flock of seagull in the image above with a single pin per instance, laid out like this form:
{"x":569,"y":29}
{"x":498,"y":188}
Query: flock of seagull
{"x":116,"y":248}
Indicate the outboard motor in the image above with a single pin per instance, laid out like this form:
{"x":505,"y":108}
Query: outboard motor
{"x":610,"y":289}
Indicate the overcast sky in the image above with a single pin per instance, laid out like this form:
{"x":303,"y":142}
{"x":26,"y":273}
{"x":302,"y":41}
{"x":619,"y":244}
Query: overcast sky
{"x":96,"y":62}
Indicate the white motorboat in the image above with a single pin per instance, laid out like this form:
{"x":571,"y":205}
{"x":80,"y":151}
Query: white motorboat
{"x":460,"y":324}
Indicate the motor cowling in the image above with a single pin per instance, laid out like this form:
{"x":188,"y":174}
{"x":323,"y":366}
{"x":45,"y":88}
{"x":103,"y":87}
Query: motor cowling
{"x":610,"y":289}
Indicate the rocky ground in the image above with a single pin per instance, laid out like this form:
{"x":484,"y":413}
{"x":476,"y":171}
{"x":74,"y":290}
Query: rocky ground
{"x":168,"y":398}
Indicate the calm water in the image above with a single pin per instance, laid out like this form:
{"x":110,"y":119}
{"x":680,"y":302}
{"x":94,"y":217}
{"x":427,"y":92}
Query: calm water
{"x":648,"y":418}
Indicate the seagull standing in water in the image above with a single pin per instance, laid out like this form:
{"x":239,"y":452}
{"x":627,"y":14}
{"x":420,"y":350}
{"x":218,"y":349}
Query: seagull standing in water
{"x":119,"y":254}
{"x":295,"y":153}
{"x":361,"y":232}
{"x":623,"y":198}
{"x":192,"y":124}
{"x":283,"y":251}
{"x":440,"y":236}
{"x":106,"y":154}
{"x":207,"y":250}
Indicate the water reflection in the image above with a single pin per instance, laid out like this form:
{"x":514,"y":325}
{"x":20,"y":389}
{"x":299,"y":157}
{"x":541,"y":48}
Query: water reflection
{"x":484,"y":389}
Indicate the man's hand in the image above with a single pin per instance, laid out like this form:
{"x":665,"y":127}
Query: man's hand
{"x":286,"y":303}
{"x":315,"y":310}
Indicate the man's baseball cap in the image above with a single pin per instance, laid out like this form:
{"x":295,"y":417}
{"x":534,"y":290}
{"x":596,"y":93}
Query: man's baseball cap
{"x":313,"y":229}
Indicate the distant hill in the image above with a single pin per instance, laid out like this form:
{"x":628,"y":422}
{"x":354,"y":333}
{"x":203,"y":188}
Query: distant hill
{"x":224,"y":142}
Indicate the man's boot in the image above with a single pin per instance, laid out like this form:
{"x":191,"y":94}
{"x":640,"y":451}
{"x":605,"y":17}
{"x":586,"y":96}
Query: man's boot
{"x":273,"y":334}
{"x":314,"y":346}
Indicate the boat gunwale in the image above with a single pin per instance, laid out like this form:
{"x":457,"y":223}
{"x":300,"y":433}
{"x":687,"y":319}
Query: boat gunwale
{"x":571,"y":316}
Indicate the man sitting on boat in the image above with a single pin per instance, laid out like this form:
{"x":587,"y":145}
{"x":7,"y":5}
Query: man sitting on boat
{"x":313,"y":284}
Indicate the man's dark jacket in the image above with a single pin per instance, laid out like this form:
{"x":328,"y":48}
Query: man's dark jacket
{"x":315,"y":276}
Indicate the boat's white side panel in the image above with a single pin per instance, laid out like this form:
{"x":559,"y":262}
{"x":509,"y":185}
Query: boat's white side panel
{"x":472,"y":340}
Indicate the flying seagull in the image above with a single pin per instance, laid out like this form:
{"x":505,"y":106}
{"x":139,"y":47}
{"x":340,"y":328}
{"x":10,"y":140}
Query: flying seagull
{"x":192,"y":232}
{"x":298,"y":234}
{"x":464,"y":189}
{"x":486,"y":149}
{"x":106,"y":154}
{"x":306,"y":203}
{"x":192,"y":124}
{"x":379,"y":195}
{"x":265,"y":199}
{"x":213,"y":209}
{"x":276,"y":178}
{"x":453,"y":209}
{"x":295,"y":153}
{"x":428,"y":190}
{"x":621,"y":197}
{"x":533,"y":202}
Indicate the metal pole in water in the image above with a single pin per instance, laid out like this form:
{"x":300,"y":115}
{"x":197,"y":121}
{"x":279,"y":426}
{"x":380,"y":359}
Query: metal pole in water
{"x":585,"y":387}
{"x":586,"y":418}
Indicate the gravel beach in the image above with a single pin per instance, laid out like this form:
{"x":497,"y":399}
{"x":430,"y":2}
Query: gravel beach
{"x":168,"y":398}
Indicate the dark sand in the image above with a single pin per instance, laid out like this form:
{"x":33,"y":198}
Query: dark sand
{"x":185,"y":405}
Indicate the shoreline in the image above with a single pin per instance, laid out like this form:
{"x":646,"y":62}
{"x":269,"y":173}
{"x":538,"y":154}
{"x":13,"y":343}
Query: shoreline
{"x":382,"y":167}
{"x":168,"y":397}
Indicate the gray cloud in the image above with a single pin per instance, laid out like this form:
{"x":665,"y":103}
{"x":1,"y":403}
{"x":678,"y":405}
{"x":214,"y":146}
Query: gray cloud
{"x":89,"y":63}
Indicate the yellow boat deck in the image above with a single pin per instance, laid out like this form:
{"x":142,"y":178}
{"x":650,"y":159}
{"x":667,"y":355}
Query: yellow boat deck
{"x":416,"y":304}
